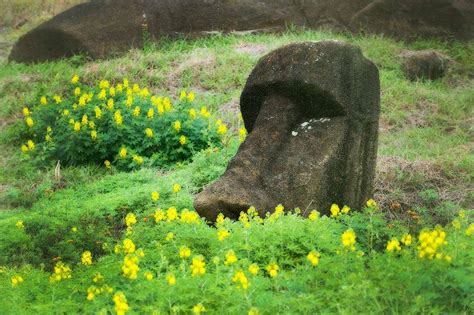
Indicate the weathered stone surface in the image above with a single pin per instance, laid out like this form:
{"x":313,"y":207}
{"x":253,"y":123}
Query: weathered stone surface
{"x":424,"y":64}
{"x":417,"y":18}
{"x":312,"y":113}
{"x":102,"y":27}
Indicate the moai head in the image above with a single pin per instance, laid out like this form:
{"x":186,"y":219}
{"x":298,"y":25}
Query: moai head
{"x":312,"y":112}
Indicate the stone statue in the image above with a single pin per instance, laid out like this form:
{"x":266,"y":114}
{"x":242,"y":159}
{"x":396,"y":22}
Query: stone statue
{"x":312,"y":112}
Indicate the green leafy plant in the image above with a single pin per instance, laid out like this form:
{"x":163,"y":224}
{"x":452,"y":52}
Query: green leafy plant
{"x":120,"y":125}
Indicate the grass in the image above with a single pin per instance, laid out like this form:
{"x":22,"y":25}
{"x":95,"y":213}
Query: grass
{"x":420,"y":120}
{"x":424,"y":177}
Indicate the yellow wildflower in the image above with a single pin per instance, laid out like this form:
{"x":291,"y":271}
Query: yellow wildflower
{"x":107,"y":164}
{"x":254,"y":269}
{"x":85,"y":120}
{"x":118,"y":118}
{"x":137,"y":159}
{"x":191,"y":96}
{"x":128,"y":246}
{"x":345,"y":210}
{"x":183,"y":140}
{"x":110,"y":104}
{"x":43,"y":100}
{"x":176,"y":188}
{"x":161,"y":109}
{"x":406,"y":239}
{"x":61,"y":272}
{"x":149,"y":275}
{"x":144,"y":93}
{"x":192,"y":113}
{"x":470,"y":229}
{"x":129,"y":101}
{"x":130,"y":219}
{"x":167,"y":103}
{"x":77,"y":91}
{"x":241,"y":279}
{"x":155,"y":196}
{"x":130,"y":267}
{"x":335,"y":210}
{"x":242,"y":134}
{"x":177,"y":125}
{"x":190,"y":217}
{"x":393,"y":245}
{"x":91,"y":124}
{"x":30,"y":144}
{"x":66,"y":112}
{"x":121,"y":305}
{"x":98,"y":112}
{"x":57,"y":99}
{"x":182,"y":95}
{"x":159,"y":215}
{"x":198,"y":308}
{"x":171,"y":214}
{"x":198,"y":266}
{"x":98,"y":277}
{"x":123,"y":152}
{"x":222,"y":234}
{"x":272,"y":269}
{"x":371,"y":203}
{"x":204,"y":112}
{"x":149,"y":132}
{"x":430,"y":243}
{"x":77,"y":126}
{"x":184,"y":252}
{"x":253,"y":311}
{"x":151,"y":113}
{"x":169,"y":236}
{"x":222,"y":129}
{"x":220,"y":219}
{"x":26,"y":112}
{"x":16,"y":280}
{"x":86,"y":258}
{"x":348,"y":239}
{"x":24,"y":149}
{"x":230,"y":258}
{"x":313,"y":257}
{"x":75,"y":79}
{"x":20,"y":224}
{"x":171,"y":279}
{"x":136,"y":111}
{"x":29,"y":122}
{"x":74,"y":229}
{"x":104,"y":84}
{"x":125,"y":83}
{"x":136,"y":88}
{"x":314,"y":215}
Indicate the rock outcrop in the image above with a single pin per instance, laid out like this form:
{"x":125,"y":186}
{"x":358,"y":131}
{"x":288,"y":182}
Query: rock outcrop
{"x":425,"y":64}
{"x":103,"y":27}
{"x":312,"y":112}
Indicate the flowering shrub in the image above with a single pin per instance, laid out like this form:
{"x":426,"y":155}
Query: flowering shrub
{"x":171,"y":260}
{"x":120,"y":125}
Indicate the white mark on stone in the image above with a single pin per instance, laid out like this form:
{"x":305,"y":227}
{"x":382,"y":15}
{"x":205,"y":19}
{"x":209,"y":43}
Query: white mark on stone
{"x":294,"y":133}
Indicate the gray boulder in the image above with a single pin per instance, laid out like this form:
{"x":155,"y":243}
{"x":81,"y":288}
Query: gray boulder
{"x":312,"y":112}
{"x":425,"y":64}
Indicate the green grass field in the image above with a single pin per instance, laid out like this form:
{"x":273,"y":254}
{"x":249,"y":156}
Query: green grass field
{"x":424,"y":178}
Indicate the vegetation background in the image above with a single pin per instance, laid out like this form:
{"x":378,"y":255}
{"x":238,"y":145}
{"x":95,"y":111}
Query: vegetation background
{"x":424,"y":177}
